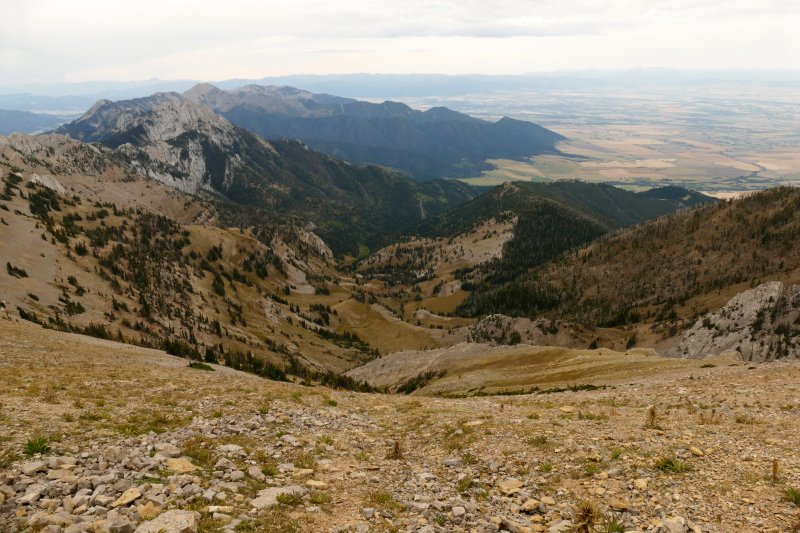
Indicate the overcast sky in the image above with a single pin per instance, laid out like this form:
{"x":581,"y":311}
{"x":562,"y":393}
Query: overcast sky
{"x":81,"y":40}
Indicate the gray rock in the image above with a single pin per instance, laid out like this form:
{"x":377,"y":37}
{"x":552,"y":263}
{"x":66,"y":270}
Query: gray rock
{"x":256,"y":473}
{"x":225,"y":464}
{"x":237,"y":475}
{"x":732,"y":329}
{"x":674,"y":525}
{"x":33,"y":467}
{"x":269,"y":497}
{"x":369,"y":512}
{"x":121,"y":526}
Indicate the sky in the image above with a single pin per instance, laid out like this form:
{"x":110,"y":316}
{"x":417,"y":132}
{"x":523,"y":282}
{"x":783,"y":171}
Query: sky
{"x":45,"y":41}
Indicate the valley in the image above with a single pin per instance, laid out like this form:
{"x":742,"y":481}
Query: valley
{"x":717,"y":138}
{"x":211,"y":326}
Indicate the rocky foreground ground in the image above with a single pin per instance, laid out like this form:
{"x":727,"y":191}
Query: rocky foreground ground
{"x":140,"y":442}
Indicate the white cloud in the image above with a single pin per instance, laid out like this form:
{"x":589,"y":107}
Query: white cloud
{"x":86,"y":39}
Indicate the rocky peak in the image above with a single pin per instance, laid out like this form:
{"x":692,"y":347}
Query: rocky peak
{"x":106,"y":118}
{"x":173,"y":119}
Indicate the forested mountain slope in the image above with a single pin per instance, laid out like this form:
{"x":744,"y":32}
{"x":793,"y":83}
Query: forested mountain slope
{"x":190,"y":148}
{"x":663,"y":271}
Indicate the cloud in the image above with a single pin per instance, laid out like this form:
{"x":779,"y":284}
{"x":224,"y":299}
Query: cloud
{"x":81,"y":39}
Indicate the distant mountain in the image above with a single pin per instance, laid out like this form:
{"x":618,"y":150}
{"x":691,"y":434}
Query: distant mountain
{"x":438,"y":142}
{"x":24,"y":122}
{"x":189,"y":147}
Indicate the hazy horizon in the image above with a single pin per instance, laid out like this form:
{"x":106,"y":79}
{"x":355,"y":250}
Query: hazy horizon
{"x":54,"y":42}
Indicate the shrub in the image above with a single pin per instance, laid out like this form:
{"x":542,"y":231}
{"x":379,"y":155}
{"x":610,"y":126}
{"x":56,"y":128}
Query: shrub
{"x":665,"y":464}
{"x":290,"y":498}
{"x":32,"y":447}
{"x":584,"y":516}
{"x":16,"y":272}
{"x":792,"y":496}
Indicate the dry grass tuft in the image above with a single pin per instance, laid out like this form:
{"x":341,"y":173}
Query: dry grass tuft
{"x":585,"y":516}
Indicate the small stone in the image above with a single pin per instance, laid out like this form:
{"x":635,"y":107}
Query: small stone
{"x":33,"y":467}
{"x":319,"y":485}
{"x":128,"y":497}
{"x":148,"y":511}
{"x":530,"y":505}
{"x":510,"y":486}
{"x":171,"y":522}
{"x":567,"y":409}
{"x":269,"y":497}
{"x":641,"y":484}
{"x":368,"y":512}
{"x":225,"y":464}
{"x":181,"y":466}
{"x":121,"y":526}
{"x":458,"y":512}
{"x":256,"y":473}
{"x":696,"y":451}
{"x":237,"y":475}
{"x":620,"y":505}
{"x":547,"y":500}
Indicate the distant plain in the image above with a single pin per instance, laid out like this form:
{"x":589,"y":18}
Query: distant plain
{"x":718,"y":139}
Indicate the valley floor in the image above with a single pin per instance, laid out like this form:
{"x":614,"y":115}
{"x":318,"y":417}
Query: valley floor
{"x":119,"y":416}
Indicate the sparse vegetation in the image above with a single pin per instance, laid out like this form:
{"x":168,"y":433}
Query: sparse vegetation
{"x":36,"y":446}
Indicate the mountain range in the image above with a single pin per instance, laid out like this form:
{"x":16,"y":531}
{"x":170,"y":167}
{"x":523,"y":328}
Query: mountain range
{"x":172,"y":204}
{"x":423,"y":145}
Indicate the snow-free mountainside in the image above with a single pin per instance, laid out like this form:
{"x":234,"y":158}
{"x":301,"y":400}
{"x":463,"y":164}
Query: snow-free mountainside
{"x":207,"y":326}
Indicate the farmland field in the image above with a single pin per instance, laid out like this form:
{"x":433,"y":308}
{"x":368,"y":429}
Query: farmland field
{"x":721,"y":140}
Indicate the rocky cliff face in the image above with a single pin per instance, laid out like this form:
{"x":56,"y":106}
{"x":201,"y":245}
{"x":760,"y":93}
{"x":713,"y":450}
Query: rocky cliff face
{"x":762,"y":324}
{"x":105,"y":117}
{"x":184,"y":145}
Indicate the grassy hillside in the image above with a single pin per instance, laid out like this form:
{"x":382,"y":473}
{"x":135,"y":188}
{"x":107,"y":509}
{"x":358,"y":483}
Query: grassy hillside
{"x":104,"y":262}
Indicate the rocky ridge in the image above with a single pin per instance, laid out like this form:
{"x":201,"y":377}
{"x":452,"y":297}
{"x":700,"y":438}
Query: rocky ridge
{"x":759,"y":324}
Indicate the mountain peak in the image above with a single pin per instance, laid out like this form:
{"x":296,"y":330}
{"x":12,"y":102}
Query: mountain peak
{"x":172,"y":119}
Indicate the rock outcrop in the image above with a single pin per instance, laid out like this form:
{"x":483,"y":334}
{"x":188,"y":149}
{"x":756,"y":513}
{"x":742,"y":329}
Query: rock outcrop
{"x":185,"y":146}
{"x":760,"y":324}
{"x":105,"y":117}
